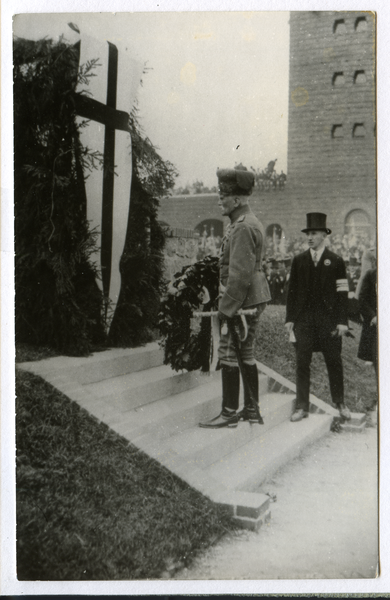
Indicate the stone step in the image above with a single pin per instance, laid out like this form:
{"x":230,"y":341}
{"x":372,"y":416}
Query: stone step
{"x":159,"y":410}
{"x":119,"y":395}
{"x":203,"y":447}
{"x":169,"y":416}
{"x":247,"y":467}
{"x":100,"y":365}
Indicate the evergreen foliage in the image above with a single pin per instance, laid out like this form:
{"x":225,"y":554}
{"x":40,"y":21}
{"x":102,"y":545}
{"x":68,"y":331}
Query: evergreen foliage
{"x":141,"y":267}
{"x":58,"y":302}
{"x":135,"y":321}
{"x":57,"y":299}
{"x":186,"y":341}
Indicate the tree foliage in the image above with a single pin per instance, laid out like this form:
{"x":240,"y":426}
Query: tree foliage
{"x":58,"y":302}
{"x":141,"y":266}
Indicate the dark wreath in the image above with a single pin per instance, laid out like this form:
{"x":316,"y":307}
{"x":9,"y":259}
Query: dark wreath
{"x":187,"y":340}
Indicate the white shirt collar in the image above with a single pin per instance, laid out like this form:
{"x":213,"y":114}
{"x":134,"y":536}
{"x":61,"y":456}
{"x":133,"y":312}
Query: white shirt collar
{"x":319,"y":251}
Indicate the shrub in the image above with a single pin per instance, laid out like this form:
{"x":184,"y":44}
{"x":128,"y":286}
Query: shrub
{"x":57,"y":299}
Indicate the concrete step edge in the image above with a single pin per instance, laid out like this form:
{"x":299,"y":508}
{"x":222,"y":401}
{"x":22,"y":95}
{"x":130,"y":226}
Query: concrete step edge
{"x":265,"y":455}
{"x":131,"y":394}
{"x":170,"y":416}
{"x":205,"y":446}
{"x":249,"y":510}
{"x":142,"y":357}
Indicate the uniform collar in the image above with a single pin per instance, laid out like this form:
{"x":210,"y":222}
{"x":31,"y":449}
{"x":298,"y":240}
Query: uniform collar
{"x":238,"y":212}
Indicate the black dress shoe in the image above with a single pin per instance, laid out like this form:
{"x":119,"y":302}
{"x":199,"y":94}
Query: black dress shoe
{"x":224,"y":419}
{"x":249,"y":414}
{"x":344,"y":411}
{"x":299,"y":414}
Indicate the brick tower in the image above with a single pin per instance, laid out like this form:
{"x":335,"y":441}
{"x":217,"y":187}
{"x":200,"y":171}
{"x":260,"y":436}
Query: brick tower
{"x":331,"y":133}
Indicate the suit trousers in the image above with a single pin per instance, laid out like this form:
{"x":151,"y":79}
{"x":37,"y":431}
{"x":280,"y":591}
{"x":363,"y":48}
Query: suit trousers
{"x":311,"y":337}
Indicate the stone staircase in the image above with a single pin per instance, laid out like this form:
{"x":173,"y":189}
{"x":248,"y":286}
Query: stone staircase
{"x":158,"y":410}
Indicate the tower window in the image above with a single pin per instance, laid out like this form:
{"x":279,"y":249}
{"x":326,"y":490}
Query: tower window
{"x":338,"y":79}
{"x":359,"y":77}
{"x":361,"y":24}
{"x":358,"y":130}
{"x":339,"y":26}
{"x":337,"y":131}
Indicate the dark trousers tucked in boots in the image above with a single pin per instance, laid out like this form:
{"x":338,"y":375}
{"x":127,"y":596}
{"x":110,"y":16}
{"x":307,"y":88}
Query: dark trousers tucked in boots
{"x":249,"y":412}
{"x":230,"y":387}
{"x":252,"y":376}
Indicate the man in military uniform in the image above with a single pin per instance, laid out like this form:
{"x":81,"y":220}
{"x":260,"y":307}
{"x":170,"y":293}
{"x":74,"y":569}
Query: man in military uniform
{"x":243,"y":285}
{"x":317,"y":314}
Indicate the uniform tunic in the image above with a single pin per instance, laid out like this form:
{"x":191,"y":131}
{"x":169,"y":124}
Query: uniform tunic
{"x":243,"y":283}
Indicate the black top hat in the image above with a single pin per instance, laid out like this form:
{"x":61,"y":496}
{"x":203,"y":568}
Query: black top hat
{"x":316,"y":222}
{"x":235,"y":181}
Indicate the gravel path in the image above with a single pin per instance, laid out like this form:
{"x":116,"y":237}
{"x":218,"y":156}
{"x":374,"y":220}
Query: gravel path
{"x":324,"y":521}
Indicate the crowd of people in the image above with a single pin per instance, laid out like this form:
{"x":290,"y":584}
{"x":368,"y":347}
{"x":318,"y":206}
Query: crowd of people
{"x":265,"y":180}
{"x":279,"y":252}
{"x":268,"y":179}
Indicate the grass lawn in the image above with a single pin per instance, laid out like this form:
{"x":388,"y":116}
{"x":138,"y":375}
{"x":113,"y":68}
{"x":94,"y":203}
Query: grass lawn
{"x":92,"y":507}
{"x":274,"y":350}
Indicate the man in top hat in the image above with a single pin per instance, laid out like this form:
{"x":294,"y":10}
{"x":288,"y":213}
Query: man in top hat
{"x":316,"y":314}
{"x":243,"y":285}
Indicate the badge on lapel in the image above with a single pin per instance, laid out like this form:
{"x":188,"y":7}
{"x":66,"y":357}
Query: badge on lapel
{"x":327,"y":262}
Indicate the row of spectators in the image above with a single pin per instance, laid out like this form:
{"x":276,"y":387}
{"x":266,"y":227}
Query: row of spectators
{"x":279,"y":252}
{"x":349,"y":245}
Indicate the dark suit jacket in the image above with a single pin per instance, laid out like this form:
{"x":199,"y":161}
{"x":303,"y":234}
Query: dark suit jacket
{"x":334,"y":289}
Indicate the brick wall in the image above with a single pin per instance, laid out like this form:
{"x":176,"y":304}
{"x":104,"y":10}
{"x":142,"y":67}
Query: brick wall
{"x":190,"y":211}
{"x":332,"y":83}
{"x":181,"y":248}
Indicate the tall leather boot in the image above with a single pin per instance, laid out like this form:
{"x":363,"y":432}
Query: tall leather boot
{"x":230,"y":399}
{"x":249,"y":412}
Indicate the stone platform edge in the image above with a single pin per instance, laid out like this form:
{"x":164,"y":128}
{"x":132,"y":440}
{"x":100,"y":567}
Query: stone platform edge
{"x":278,"y":383}
{"x":249,"y":510}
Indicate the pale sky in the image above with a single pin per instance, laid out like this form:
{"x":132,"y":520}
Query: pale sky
{"x":216,"y":93}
